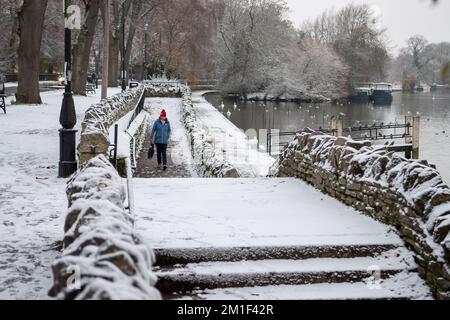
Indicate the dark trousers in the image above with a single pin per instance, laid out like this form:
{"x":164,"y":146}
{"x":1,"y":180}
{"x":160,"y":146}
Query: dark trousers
{"x":161,"y":151}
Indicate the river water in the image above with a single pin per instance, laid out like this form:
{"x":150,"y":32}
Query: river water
{"x":433,"y":108}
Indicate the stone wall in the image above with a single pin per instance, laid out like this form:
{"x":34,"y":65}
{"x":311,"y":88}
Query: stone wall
{"x":409,"y":195}
{"x":103,"y":257}
{"x":163,"y":89}
{"x":208,"y":163}
{"x":99,"y":118}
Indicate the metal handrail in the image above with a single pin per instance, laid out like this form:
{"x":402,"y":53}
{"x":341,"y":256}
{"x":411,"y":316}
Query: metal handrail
{"x":130,"y":191}
{"x":132,"y":150}
{"x":138,"y":109}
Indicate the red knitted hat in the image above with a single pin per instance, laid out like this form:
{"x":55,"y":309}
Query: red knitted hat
{"x":164,"y":114}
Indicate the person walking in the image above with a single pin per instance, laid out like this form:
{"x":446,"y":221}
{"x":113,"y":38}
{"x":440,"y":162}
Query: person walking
{"x":95,"y":80}
{"x":160,"y":135}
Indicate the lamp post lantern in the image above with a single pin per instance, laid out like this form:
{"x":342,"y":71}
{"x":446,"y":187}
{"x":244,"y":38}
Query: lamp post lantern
{"x":67,"y":135}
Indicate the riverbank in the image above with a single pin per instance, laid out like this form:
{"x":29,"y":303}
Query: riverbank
{"x":231,"y":141}
{"x":433,"y":108}
{"x":303,"y":98}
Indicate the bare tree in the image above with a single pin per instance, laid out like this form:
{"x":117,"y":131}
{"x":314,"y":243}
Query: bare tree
{"x":419,"y":62}
{"x":105,"y":68}
{"x":83,"y":45}
{"x":52,"y":47}
{"x":253,"y":36}
{"x":9,"y":37}
{"x":356,"y":36}
{"x":140,"y":13}
{"x":115,"y":37}
{"x":181,"y":38}
{"x":311,"y":70}
{"x":31,"y":22}
{"x":417,"y":48}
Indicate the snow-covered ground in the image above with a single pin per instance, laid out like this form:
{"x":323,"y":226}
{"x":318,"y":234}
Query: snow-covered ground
{"x":32,"y":198}
{"x":240,"y":151}
{"x":15,"y":84}
{"x":193,"y":213}
{"x":179,"y":149}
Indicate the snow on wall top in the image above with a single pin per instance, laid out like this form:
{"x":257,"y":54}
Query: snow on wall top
{"x":206,"y":158}
{"x":101,"y":116}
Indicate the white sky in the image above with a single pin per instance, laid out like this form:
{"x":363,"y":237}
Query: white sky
{"x":402,"y":18}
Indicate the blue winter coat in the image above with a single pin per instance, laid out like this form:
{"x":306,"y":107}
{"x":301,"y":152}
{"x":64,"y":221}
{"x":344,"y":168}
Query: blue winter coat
{"x":161,"y":132}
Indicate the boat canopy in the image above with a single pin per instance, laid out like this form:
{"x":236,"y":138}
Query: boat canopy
{"x":382,"y":86}
{"x":363,"y":90}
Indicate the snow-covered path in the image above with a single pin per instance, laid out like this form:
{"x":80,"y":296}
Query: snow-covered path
{"x":179,"y":154}
{"x":268,"y":238}
{"x":239,"y":150}
{"x":192,"y":213}
{"x":32,"y":199}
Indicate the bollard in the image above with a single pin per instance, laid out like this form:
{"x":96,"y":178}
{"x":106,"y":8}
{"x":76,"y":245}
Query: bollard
{"x":416,"y":138}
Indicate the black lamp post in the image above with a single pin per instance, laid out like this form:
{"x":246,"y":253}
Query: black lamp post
{"x":68,"y":119}
{"x":124,"y":75}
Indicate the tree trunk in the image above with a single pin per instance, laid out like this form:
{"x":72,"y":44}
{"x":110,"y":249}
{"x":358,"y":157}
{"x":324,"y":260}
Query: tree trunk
{"x":31,"y":23}
{"x":114,"y":46}
{"x":113,"y":60}
{"x":135,"y":14}
{"x":116,"y":38}
{"x":82,"y":49}
{"x":106,"y":24}
{"x":12,"y":50}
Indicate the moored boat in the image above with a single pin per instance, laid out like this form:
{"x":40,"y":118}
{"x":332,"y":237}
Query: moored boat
{"x":382,"y":93}
{"x":439,"y":87}
{"x":361,"y":95}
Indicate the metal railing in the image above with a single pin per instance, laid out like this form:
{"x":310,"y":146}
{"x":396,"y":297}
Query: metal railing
{"x":138,"y":109}
{"x":130,"y":190}
{"x":376,"y":132}
{"x":133,"y":157}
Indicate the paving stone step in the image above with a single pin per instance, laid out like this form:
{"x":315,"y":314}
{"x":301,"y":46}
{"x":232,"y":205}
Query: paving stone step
{"x":170,"y":257}
{"x":185,"y":283}
{"x":399,"y":287}
{"x":214,"y":275}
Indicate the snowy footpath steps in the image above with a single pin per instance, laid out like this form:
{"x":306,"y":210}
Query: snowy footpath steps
{"x":268,"y":239}
{"x":402,"y":286}
{"x":387,"y":275}
{"x":172,"y":256}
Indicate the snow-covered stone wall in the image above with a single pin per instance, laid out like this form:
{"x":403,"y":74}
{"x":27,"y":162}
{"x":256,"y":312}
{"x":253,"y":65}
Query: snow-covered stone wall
{"x":163,"y":89}
{"x":409,"y":195}
{"x":208,"y":163}
{"x":103,"y":257}
{"x":98,"y":120}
